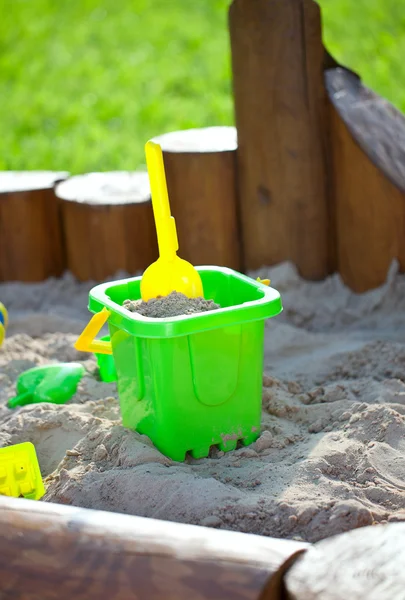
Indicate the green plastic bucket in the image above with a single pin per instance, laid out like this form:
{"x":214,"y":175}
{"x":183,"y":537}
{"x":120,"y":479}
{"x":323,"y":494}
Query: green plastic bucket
{"x":192,"y":381}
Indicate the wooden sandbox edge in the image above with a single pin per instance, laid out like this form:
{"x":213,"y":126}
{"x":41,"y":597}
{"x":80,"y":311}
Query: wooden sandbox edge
{"x":46,"y":547}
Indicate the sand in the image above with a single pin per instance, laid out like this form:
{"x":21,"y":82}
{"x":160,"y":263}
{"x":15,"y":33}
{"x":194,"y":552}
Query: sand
{"x":331,"y":455}
{"x":173,"y":305}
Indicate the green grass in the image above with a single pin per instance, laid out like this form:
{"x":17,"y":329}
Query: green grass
{"x":369,"y":37}
{"x":83,"y":84}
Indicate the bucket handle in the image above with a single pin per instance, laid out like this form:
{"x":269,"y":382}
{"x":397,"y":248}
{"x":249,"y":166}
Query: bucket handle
{"x":86,"y":341}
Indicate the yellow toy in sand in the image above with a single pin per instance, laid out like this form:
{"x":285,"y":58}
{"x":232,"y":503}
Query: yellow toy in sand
{"x":3,"y":322}
{"x":19,"y":472}
{"x":170,"y":272}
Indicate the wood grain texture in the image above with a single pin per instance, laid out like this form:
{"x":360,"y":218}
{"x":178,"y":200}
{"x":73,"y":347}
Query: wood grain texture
{"x":365,"y":563}
{"x":367,"y":170}
{"x":108,"y":224}
{"x":50,"y":552}
{"x":31,"y":245}
{"x":277,"y":62}
{"x":200,"y":167}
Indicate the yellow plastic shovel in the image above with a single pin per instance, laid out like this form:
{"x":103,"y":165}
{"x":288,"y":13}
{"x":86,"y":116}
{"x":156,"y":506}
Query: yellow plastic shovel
{"x":170,"y":272}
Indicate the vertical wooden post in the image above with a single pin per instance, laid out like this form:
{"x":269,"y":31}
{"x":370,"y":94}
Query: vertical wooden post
{"x":31,"y":247}
{"x":367,"y":145}
{"x":108,"y":224}
{"x":277,"y":60}
{"x":200,"y":167}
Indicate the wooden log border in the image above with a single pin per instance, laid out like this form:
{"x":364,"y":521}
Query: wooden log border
{"x":31,"y":237}
{"x":320,"y":175}
{"x":280,"y":101}
{"x":200,"y":167}
{"x":366,"y":563}
{"x":50,"y":551}
{"x":107,"y":224}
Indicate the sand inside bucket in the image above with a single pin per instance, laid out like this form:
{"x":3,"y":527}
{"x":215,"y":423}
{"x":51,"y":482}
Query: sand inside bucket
{"x":173,"y":305}
{"x":331,"y":454}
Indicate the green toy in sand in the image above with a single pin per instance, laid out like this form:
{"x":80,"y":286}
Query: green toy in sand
{"x":51,"y":383}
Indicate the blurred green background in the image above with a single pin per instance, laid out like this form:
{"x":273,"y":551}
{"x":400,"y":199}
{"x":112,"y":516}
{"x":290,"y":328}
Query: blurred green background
{"x":83,"y":84}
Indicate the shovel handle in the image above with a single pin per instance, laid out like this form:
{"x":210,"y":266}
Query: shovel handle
{"x":86,"y":342}
{"x":164,"y":222}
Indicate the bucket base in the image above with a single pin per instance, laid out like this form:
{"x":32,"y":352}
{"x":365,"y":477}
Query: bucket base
{"x":225,"y":446}
{"x":179,"y":454}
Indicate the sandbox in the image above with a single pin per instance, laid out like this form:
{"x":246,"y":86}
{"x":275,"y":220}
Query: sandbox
{"x":330,"y":456}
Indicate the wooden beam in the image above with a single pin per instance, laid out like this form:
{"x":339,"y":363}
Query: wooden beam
{"x":280,"y":102}
{"x":364,"y":563}
{"x":50,"y":551}
{"x":31,"y":247}
{"x":200,"y":167}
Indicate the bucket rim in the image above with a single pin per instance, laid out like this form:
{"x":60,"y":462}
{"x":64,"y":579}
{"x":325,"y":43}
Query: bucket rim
{"x":269,"y":305}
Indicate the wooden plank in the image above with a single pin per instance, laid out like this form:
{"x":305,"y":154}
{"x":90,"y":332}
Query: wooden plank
{"x":200,"y":167}
{"x":50,"y":551}
{"x":364,"y":563}
{"x":31,"y":246}
{"x":108,"y":224}
{"x":368,"y":179}
{"x":277,"y":60}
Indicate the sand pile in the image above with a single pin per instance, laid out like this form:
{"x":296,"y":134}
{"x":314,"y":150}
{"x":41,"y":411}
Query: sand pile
{"x":331,"y":455}
{"x":173,"y":305}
